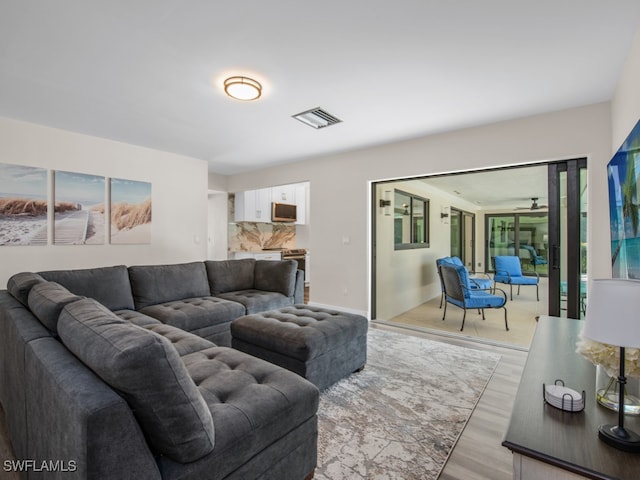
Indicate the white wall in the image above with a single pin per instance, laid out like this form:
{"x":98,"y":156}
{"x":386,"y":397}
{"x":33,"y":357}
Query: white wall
{"x":340,"y":186}
{"x":179,"y":196}
{"x":625,"y":106}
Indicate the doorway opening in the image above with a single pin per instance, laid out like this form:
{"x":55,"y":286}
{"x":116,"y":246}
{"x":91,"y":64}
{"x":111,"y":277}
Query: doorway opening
{"x":521,"y":211}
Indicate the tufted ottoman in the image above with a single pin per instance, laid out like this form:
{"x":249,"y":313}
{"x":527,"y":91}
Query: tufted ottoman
{"x":321,"y":345}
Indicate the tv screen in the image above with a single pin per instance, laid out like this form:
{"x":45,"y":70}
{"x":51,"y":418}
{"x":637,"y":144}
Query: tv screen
{"x":623,"y":171}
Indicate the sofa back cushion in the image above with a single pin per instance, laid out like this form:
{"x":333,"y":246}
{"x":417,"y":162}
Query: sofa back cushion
{"x":20,"y":284}
{"x":154,"y":284}
{"x":108,"y":285}
{"x":230,"y":275}
{"x":46,"y":301}
{"x":276,"y":276}
{"x":147,"y":370}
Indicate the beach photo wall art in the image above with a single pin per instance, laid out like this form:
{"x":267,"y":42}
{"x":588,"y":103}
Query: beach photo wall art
{"x":23,"y":205}
{"x":130,"y":212}
{"x":624,"y":176}
{"x":79,"y":207}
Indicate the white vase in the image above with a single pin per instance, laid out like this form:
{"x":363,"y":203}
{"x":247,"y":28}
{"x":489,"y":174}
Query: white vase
{"x":607,"y":392}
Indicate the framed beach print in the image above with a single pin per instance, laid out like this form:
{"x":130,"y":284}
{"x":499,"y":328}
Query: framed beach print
{"x":79,"y":209}
{"x":23,"y":205}
{"x":623,"y":175}
{"x":130,"y":211}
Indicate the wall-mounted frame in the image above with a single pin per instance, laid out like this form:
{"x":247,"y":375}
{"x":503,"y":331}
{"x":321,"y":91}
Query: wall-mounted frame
{"x":79,"y":209}
{"x":130,"y":211}
{"x":23,"y":205}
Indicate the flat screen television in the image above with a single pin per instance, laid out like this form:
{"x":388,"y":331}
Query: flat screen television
{"x":624,"y":210}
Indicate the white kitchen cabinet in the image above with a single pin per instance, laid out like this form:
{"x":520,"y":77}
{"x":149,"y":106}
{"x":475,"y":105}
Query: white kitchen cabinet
{"x":253,"y":206}
{"x":284,"y":194}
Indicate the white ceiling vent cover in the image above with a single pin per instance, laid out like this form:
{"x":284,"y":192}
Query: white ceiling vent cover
{"x":317,"y":118}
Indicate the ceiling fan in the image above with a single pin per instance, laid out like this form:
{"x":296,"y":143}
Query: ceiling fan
{"x":534,"y":205}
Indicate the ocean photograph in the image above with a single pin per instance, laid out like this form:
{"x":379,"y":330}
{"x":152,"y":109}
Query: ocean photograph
{"x":624,"y":210}
{"x":23,"y":205}
{"x":130,"y":211}
{"x":79,"y":209}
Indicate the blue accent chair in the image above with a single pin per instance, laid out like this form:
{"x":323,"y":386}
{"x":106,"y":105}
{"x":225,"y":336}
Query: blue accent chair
{"x":535,"y":258}
{"x":458,"y":292}
{"x":509,"y":271}
{"x":474,"y":282}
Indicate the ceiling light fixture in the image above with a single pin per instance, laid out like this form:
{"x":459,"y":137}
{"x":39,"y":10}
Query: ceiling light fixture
{"x":242,"y":88}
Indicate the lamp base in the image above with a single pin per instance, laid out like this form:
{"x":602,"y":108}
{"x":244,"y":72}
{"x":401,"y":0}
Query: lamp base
{"x":620,"y":438}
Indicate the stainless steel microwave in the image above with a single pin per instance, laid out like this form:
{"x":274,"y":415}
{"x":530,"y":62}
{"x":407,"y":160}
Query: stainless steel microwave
{"x":283,"y":212}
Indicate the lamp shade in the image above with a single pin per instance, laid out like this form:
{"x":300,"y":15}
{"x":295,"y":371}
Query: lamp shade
{"x":613,"y":312}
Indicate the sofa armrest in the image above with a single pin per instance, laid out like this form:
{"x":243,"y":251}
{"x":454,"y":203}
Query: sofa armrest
{"x":298,"y":295}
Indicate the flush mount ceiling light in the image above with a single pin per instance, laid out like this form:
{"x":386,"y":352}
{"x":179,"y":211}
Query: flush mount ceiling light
{"x":317,"y":118}
{"x":242,"y":88}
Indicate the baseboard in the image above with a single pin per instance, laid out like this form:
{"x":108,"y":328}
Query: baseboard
{"x":343,"y":309}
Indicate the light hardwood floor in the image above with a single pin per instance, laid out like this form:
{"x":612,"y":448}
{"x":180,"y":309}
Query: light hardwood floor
{"x":478,"y":455}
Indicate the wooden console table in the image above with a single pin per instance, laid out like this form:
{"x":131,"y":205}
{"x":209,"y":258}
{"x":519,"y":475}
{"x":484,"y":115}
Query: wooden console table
{"x":548,"y":443}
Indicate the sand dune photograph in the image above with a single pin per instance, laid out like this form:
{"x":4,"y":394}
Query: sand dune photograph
{"x":130,"y":212}
{"x":23,"y":205}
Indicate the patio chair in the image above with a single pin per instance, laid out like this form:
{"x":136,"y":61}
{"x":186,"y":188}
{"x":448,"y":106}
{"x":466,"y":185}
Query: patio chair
{"x":458,"y":292}
{"x":509,"y":271}
{"x":474,"y":282}
{"x":534,"y":257}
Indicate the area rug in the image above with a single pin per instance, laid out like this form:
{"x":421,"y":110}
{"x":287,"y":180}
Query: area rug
{"x":401,"y":416}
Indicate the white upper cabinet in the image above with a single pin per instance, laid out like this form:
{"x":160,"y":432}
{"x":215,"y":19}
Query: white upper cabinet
{"x":255,"y":205}
{"x":284,"y":194}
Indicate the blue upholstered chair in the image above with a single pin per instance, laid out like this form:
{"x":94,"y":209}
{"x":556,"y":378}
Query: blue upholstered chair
{"x":457,"y":291}
{"x":509,"y":271}
{"x":535,"y":258}
{"x":474,"y":282}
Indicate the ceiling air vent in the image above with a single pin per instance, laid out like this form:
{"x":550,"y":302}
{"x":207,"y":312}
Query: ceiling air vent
{"x":317,"y":118}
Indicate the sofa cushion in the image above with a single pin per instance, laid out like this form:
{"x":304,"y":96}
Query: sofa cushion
{"x":20,"y":284}
{"x":108,"y":285}
{"x":154,"y":284}
{"x":147,"y":370}
{"x":191,"y":314}
{"x":255,"y":301}
{"x":276,"y":276}
{"x":230,"y":275}
{"x":46,"y":301}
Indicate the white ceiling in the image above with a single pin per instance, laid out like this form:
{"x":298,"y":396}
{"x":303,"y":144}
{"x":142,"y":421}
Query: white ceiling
{"x":149,"y":72}
{"x":509,"y":188}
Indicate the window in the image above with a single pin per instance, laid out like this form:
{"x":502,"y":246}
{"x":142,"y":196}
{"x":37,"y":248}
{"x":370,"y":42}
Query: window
{"x":410,"y":221}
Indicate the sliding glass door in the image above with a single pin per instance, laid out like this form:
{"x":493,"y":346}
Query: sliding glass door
{"x":568,"y":238}
{"x":524,"y":235}
{"x":463,"y":237}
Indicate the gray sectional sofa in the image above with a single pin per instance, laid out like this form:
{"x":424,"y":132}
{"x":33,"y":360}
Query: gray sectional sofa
{"x":111,"y":373}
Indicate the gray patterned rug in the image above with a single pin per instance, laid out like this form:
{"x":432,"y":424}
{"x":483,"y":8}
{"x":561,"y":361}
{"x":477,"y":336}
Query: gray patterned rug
{"x":401,"y":416}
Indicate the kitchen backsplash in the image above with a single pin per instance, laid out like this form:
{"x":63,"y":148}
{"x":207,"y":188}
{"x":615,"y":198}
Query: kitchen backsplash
{"x":253,"y":237}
